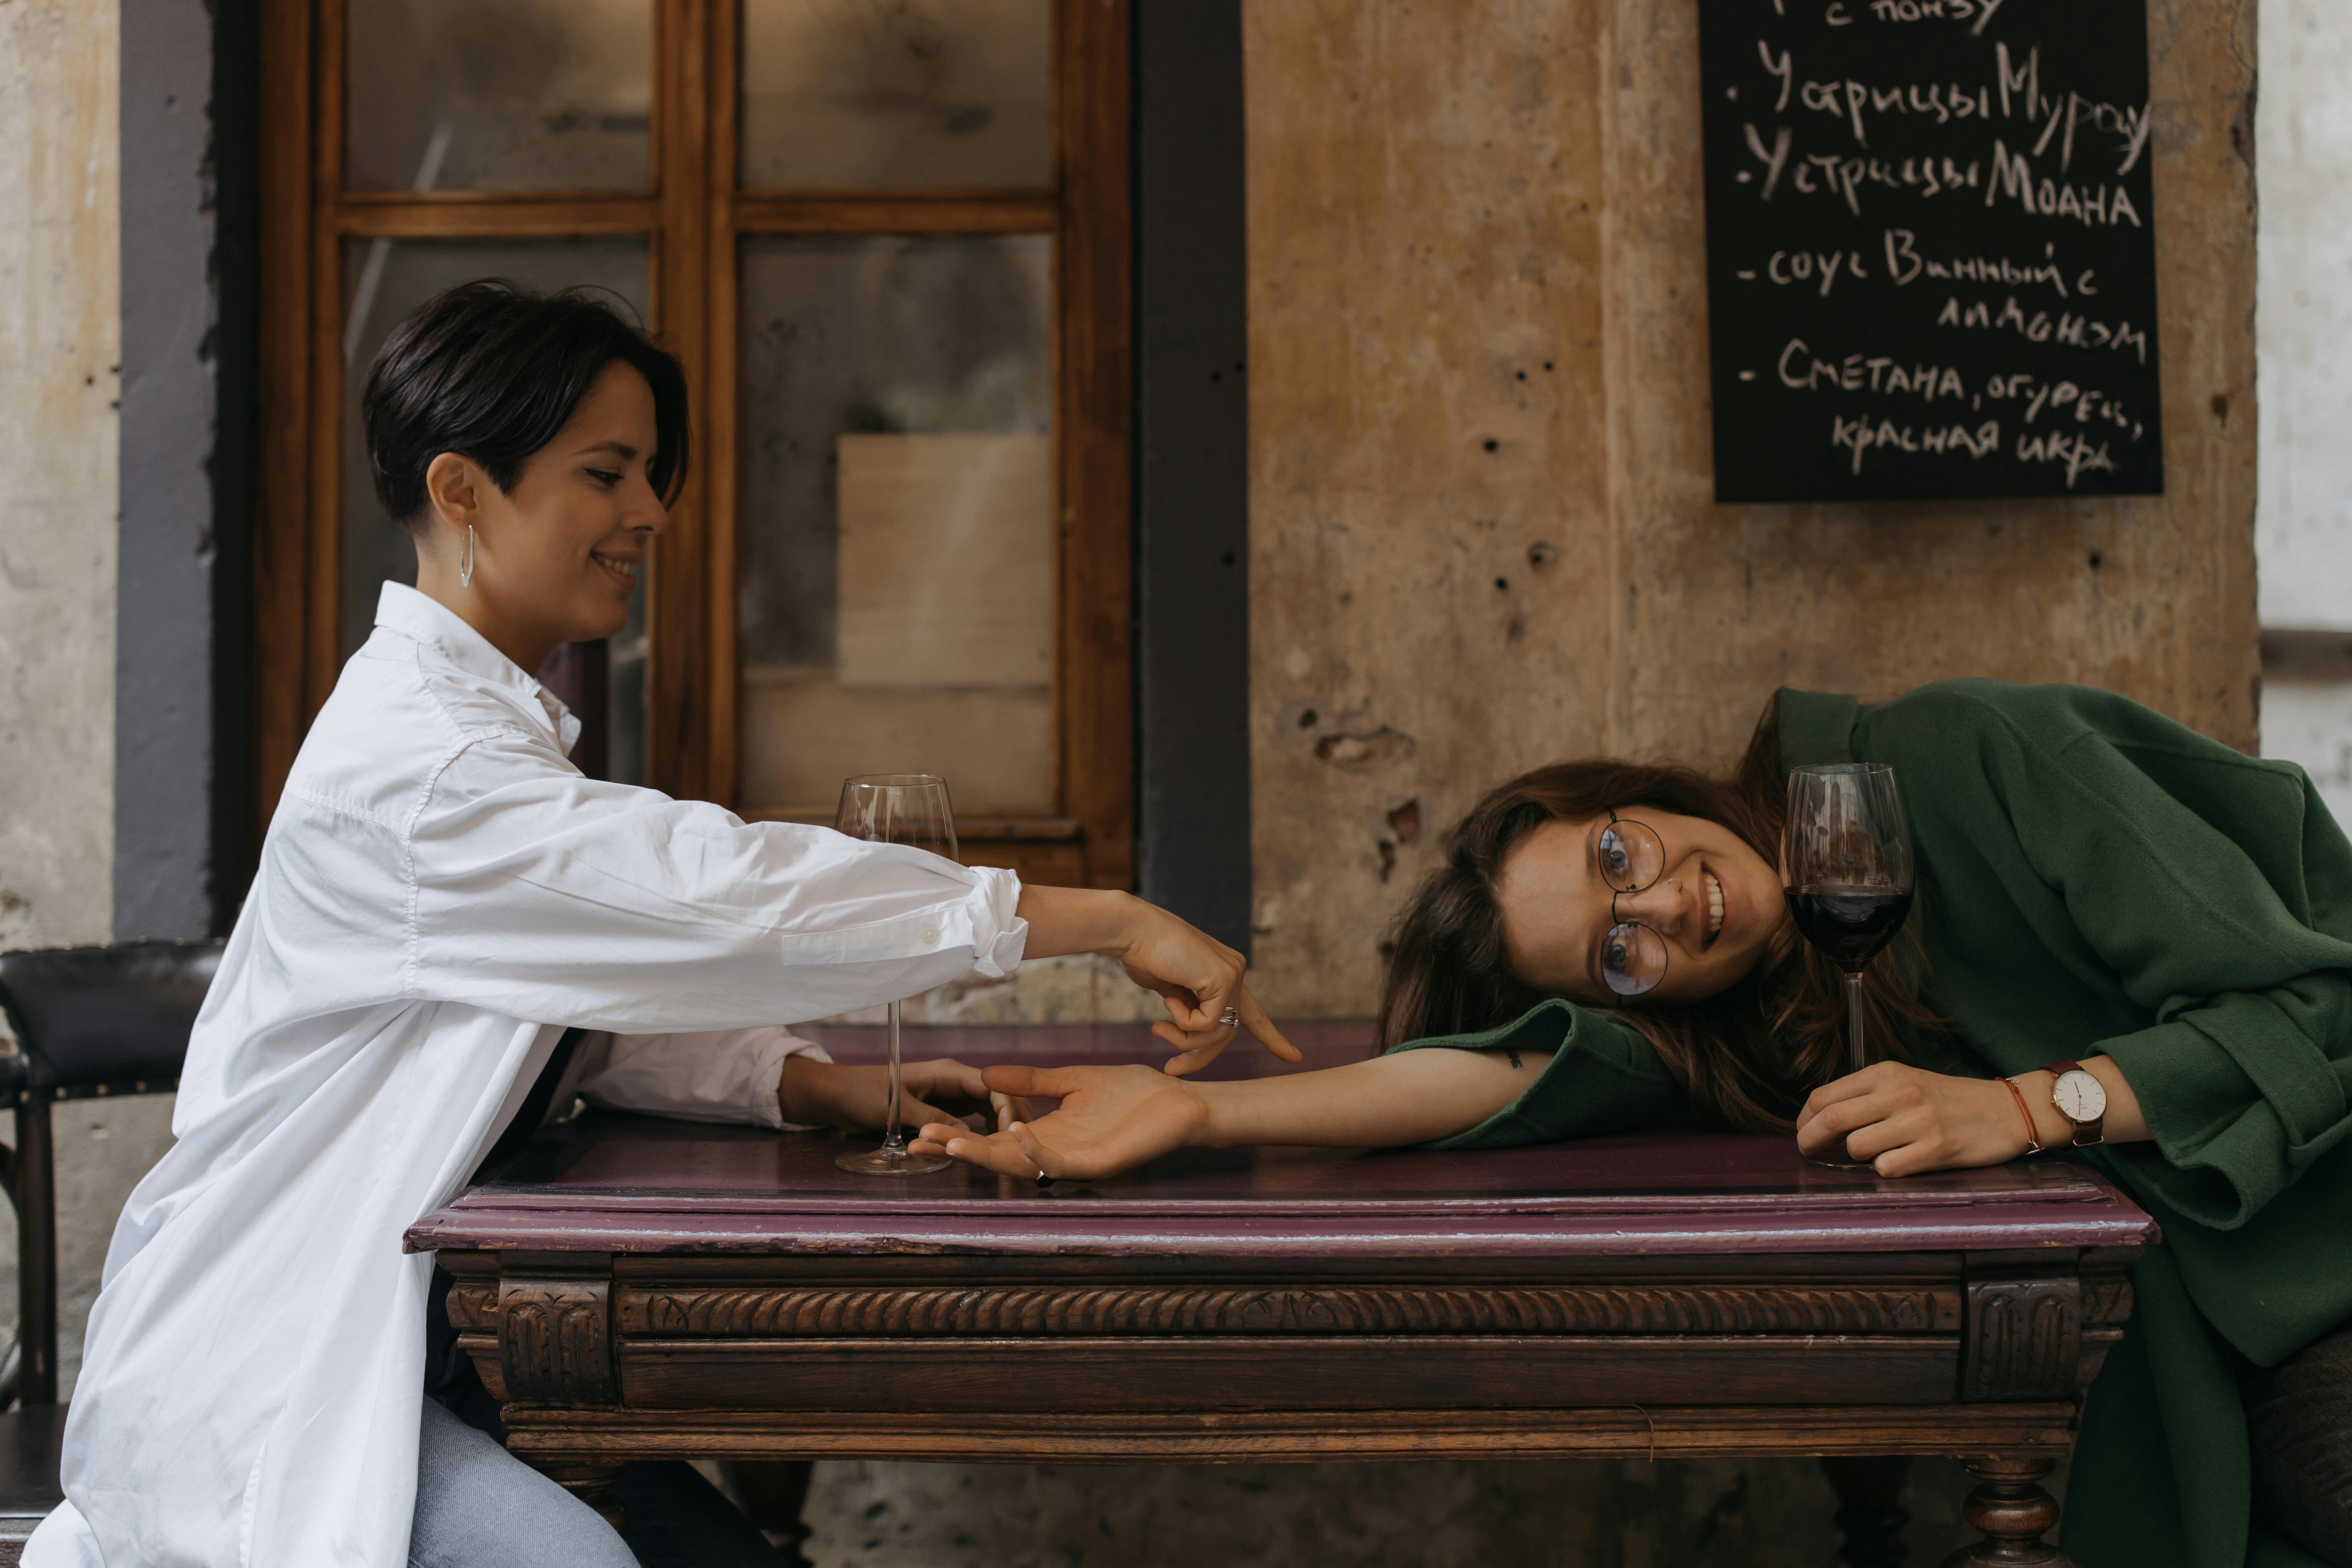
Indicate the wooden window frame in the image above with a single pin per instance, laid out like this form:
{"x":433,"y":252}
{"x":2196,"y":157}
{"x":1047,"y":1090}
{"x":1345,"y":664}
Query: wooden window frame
{"x":692,"y":221}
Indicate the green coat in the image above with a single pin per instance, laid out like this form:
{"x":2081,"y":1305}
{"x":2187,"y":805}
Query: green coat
{"x":2095,"y":879}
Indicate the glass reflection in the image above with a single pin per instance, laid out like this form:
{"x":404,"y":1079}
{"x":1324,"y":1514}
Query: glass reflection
{"x":896,"y":553}
{"x":498,"y":95}
{"x":905,"y":95}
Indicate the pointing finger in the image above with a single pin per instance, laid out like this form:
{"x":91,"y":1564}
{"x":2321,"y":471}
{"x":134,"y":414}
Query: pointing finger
{"x":1254,"y":1020}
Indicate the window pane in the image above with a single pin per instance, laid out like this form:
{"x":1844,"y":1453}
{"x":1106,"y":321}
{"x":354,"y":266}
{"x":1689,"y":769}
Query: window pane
{"x":498,"y":95}
{"x":914,"y":93}
{"x":896,"y":555}
{"x":383,"y":280}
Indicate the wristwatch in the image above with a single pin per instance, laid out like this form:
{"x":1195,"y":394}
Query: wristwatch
{"x":2081,"y":1100}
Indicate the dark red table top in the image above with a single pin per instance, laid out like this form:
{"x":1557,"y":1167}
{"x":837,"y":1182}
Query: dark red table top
{"x":635,"y":1184}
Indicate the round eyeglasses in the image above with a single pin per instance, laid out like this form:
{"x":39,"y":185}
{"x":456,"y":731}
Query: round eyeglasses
{"x":1630,"y":858}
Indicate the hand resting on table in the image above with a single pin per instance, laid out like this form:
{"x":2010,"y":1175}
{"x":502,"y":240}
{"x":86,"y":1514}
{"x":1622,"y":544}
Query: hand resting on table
{"x":1906,"y":1121}
{"x":938,"y":1093}
{"x":1110,"y":1120}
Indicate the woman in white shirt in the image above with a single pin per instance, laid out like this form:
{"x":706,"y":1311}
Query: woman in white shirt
{"x":441,"y":897}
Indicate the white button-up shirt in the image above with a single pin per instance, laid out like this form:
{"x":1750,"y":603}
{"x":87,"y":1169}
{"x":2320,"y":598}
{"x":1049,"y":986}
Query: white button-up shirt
{"x":441,"y":894}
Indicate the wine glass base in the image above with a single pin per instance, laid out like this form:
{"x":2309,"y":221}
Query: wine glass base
{"x":892,"y":1163}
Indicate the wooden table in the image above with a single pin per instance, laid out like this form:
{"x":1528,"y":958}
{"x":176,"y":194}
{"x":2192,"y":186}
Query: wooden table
{"x":641,"y":1288}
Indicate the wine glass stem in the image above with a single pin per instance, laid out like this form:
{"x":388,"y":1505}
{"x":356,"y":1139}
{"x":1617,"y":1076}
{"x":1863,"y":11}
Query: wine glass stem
{"x":892,"y":1141}
{"x":1852,"y":1024}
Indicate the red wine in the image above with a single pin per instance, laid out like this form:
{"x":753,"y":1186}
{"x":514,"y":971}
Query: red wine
{"x":1849,"y":924}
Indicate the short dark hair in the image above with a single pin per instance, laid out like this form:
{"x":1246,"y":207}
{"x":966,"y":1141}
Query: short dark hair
{"x":492,"y":371}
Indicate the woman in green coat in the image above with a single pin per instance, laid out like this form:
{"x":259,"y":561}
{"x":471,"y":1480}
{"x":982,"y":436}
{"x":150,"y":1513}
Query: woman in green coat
{"x":2097,"y":884}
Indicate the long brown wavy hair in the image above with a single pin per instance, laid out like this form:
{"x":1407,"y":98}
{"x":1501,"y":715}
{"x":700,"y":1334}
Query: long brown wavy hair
{"x":1747,"y":1057}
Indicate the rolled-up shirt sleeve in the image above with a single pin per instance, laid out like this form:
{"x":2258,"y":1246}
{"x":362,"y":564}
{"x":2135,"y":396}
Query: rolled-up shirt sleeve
{"x":1603,"y":1076}
{"x":2245,"y":1076}
{"x":539,"y":893}
{"x":715,"y":1075}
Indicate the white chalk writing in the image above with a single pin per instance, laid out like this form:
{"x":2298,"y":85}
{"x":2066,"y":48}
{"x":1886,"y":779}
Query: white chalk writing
{"x":2014,"y":176}
{"x":1860,"y":434}
{"x":1935,"y":215}
{"x":2074,"y":452}
{"x":2042,"y":326}
{"x":1906,"y":265}
{"x":1800,"y":367}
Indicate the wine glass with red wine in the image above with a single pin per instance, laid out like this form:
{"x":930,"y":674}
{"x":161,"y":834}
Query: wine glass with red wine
{"x":1846,"y":866}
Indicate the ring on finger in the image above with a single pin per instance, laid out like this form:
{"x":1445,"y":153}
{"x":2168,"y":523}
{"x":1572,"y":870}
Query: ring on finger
{"x":1230,"y":1018}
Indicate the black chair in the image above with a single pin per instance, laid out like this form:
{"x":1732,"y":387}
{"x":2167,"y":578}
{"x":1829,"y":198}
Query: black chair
{"x":91,"y":1023}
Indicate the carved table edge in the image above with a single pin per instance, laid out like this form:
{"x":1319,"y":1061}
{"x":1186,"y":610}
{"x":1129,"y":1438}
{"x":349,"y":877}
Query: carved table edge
{"x":1152,"y":1310}
{"x":548,"y":1435}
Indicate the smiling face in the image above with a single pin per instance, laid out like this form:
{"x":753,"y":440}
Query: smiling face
{"x":558,"y":555}
{"x":1715,"y":906}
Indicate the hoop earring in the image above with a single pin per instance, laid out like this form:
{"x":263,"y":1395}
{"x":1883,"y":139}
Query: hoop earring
{"x":466,"y":566}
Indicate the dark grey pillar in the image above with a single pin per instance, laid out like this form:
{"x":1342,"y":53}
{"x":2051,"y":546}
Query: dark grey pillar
{"x":184,"y":744}
{"x":1192,"y":465}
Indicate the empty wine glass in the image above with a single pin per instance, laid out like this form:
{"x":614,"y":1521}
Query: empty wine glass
{"x":1846,"y":866}
{"x":897,"y":808}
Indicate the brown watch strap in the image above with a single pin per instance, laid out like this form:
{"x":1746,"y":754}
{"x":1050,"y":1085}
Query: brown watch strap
{"x":2086,"y":1133}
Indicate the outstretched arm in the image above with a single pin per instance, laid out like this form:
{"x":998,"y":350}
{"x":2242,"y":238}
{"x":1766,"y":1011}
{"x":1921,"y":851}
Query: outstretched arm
{"x":1114,"y":1118}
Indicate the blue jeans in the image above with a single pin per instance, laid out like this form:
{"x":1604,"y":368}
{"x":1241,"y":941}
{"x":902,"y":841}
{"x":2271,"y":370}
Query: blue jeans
{"x":478,"y":1506}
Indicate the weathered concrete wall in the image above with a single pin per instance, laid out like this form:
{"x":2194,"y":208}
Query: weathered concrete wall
{"x":1481,"y":531}
{"x":2304,"y":535}
{"x":58,"y":336}
{"x":2308,"y":718}
{"x":59,"y":314}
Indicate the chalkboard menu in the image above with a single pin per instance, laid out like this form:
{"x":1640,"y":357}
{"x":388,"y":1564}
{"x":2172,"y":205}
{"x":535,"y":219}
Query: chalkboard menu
{"x":1931,"y":248}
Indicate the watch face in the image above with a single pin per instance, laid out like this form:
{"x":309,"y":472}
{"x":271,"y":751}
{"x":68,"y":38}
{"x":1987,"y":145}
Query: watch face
{"x":2080,"y":1096}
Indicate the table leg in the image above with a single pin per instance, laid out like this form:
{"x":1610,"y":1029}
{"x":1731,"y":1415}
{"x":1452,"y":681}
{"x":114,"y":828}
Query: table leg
{"x":773,"y":1494}
{"x":591,"y":1484}
{"x":2015,"y":1513}
{"x":1870,"y":1515}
